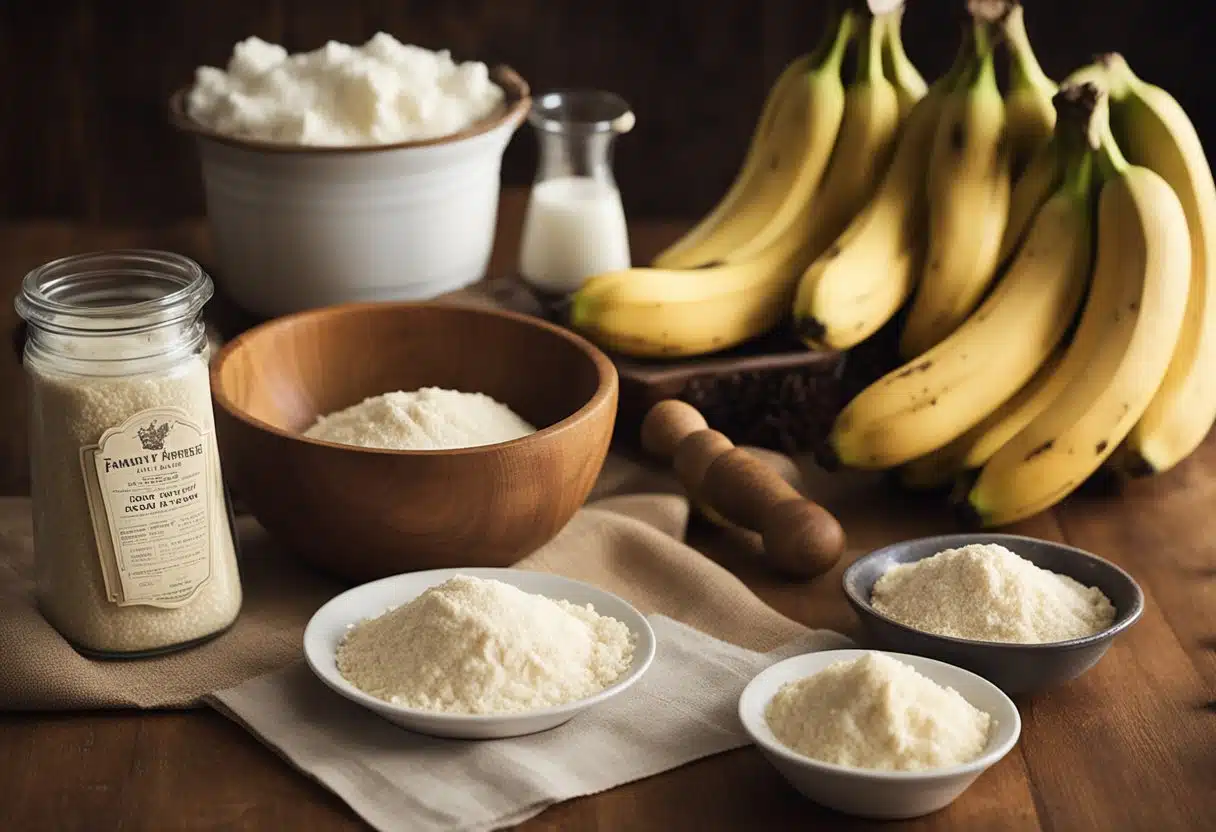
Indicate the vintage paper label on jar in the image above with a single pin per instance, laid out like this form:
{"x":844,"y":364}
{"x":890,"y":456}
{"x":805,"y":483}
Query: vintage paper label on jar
{"x":149,"y":481}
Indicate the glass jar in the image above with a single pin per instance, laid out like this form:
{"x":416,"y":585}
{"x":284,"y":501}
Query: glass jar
{"x":133,"y":542}
{"x":574,"y":225}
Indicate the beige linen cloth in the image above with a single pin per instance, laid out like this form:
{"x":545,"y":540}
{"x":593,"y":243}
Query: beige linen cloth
{"x":713,"y":635}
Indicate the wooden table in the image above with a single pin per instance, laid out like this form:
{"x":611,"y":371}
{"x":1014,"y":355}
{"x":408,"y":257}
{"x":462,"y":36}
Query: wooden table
{"x":1131,"y":745}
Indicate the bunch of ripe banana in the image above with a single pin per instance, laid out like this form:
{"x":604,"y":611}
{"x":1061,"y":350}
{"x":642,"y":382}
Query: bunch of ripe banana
{"x":1063,"y":326}
{"x":817,"y":156}
{"x":1052,"y":247}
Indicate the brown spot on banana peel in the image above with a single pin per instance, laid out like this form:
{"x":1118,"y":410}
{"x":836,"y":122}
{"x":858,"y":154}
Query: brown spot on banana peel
{"x":1101,"y":446}
{"x":1042,"y":449}
{"x":958,"y":137}
{"x":919,"y":367}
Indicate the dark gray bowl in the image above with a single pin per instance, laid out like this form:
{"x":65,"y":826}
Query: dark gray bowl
{"x":1014,"y":668}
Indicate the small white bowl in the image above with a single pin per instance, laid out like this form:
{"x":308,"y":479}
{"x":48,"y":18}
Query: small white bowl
{"x":330,"y":623}
{"x":865,"y":793}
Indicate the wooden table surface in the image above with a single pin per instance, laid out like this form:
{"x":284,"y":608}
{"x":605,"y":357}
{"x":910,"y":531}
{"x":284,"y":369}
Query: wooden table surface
{"x":1129,"y":746}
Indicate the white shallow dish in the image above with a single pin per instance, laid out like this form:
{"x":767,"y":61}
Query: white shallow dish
{"x":329,"y":624}
{"x":882,"y":795}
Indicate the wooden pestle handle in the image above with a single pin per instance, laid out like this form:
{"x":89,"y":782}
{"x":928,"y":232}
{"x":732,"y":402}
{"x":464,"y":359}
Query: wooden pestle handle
{"x":800,"y":537}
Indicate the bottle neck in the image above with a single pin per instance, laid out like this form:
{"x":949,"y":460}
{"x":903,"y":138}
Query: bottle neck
{"x":575,"y":153}
{"x":114,"y":313}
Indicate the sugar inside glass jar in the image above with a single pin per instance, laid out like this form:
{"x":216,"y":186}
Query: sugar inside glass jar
{"x":133,"y":542}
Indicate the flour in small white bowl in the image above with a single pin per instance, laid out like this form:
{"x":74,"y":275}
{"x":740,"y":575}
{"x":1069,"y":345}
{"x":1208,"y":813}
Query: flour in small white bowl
{"x":877,"y":713}
{"x":481,"y":646}
{"x":428,"y":419}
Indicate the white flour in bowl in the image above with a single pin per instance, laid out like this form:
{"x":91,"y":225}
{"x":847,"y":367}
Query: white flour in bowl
{"x":984,"y":592}
{"x":477,"y":646}
{"x":422,"y":420}
{"x":876,"y":712}
{"x":342,"y":95}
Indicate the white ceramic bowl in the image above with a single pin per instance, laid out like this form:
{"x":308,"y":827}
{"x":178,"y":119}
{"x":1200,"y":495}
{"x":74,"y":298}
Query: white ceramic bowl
{"x":883,"y":795}
{"x":302,"y":227}
{"x":329,"y":624}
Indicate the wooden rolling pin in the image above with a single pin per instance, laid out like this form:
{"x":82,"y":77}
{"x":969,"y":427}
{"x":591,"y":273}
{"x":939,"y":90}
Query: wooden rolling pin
{"x":799,"y":536}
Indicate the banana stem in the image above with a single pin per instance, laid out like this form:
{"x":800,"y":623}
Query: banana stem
{"x":984,"y":68}
{"x":1110,"y":159}
{"x":1119,"y":75}
{"x":1024,"y":67}
{"x":962,"y":60}
{"x":831,"y":24}
{"x":893,"y":33}
{"x":834,"y":50}
{"x":869,"y":55}
{"x":1095,"y":73}
{"x":1078,"y":172}
{"x":1077,"y":118}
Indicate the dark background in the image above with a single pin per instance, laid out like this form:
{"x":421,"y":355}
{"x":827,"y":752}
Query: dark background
{"x":83,"y":133}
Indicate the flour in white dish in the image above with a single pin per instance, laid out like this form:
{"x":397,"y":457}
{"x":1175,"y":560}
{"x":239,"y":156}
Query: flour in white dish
{"x":878,"y":713}
{"x":478,"y":646}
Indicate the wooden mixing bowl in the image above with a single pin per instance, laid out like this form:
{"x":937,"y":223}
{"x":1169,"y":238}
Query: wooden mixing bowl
{"x":363,"y":514}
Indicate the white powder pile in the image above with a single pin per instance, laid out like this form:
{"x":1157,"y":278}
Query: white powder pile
{"x":381,"y":92}
{"x":477,"y":646}
{"x":987,"y":593}
{"x":878,"y":713}
{"x":428,"y":419}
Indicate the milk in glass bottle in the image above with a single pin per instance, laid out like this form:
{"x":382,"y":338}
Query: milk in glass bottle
{"x":574,"y":227}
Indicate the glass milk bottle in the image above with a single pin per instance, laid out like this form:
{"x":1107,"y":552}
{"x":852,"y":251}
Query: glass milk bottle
{"x":574,"y":227}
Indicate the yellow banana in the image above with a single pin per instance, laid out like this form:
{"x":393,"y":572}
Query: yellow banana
{"x":1028,"y":109}
{"x":863,"y":149}
{"x":667,"y":312}
{"x":851,"y":290}
{"x":1136,"y":302}
{"x":672,"y":313}
{"x":1155,"y":132}
{"x":1039,"y":179}
{"x":931,"y":401}
{"x":756,"y":159}
{"x":793,"y":146}
{"x":943,"y":466}
{"x":910,"y":85}
{"x":968,"y":194}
